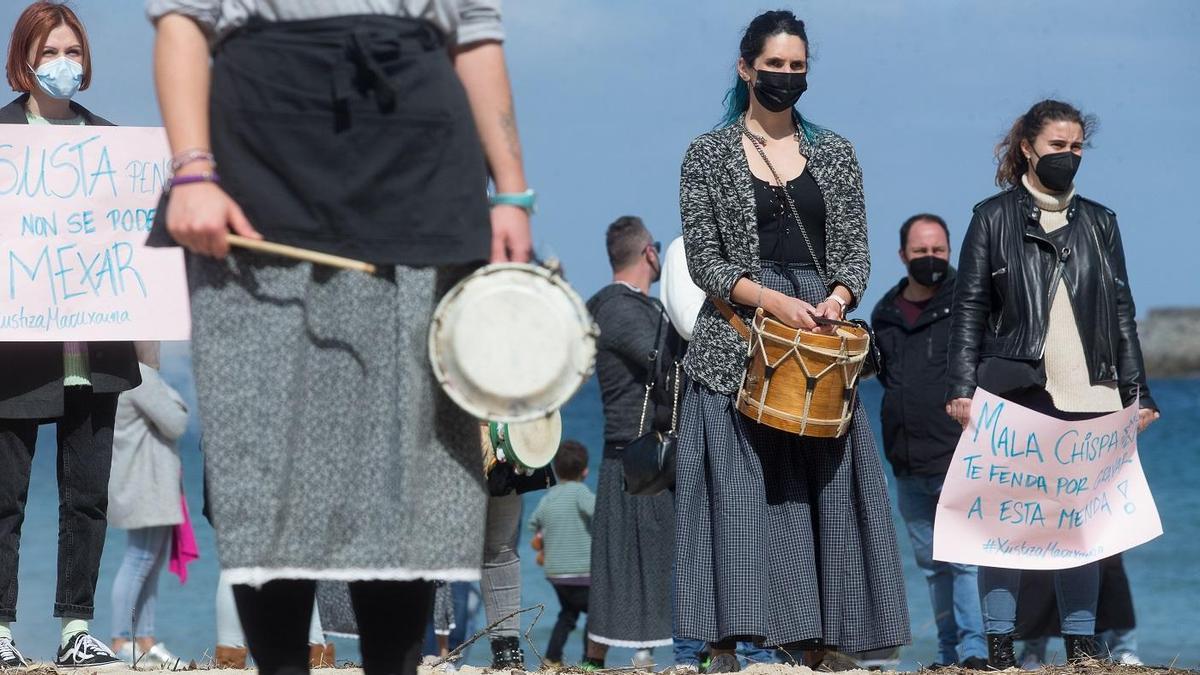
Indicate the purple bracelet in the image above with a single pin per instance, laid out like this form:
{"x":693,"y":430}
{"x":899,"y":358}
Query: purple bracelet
{"x":206,"y":177}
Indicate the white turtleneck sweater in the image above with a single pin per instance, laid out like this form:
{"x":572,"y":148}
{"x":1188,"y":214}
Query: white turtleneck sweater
{"x":1067,"y":379}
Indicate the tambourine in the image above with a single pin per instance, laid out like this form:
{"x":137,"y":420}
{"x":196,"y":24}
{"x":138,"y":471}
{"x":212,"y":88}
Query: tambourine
{"x":524,"y":445}
{"x":512,"y":343}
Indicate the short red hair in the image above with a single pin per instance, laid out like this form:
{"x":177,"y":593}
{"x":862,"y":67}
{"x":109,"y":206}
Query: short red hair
{"x":33,"y":29}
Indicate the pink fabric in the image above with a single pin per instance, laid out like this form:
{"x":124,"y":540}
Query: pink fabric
{"x":183,"y":545}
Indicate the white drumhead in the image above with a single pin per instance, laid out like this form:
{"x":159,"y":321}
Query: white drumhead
{"x":536,"y":442}
{"x":512,"y":342}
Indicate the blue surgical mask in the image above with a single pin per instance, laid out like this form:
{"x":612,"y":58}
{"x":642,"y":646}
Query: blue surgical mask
{"x":60,"y":78}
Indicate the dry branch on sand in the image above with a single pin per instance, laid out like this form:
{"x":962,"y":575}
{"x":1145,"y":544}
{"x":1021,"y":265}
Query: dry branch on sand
{"x":1089,"y":668}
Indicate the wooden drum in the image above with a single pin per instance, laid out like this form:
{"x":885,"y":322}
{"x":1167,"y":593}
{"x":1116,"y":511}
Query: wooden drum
{"x":799,"y":381}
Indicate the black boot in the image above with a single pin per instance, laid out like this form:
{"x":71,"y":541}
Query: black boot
{"x":507,"y":654}
{"x":1080,"y":647}
{"x":1000,"y":651}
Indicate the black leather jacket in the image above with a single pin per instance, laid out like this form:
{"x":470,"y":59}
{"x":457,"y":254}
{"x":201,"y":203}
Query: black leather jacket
{"x":1007,"y":274}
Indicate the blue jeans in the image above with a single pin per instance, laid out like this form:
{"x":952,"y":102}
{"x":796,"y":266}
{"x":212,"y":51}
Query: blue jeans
{"x":135,"y":590}
{"x":687,"y":652}
{"x":953,"y":588}
{"x":1077,"y":589}
{"x":1118,"y":642}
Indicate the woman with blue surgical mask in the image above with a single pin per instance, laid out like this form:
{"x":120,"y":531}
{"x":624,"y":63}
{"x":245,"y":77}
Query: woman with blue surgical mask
{"x":73,"y":385}
{"x":49,"y":62}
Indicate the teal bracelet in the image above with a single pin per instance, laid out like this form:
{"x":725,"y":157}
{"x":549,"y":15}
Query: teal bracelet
{"x":526,"y":200}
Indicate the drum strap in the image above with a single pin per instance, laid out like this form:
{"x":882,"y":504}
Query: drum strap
{"x":731,"y":316}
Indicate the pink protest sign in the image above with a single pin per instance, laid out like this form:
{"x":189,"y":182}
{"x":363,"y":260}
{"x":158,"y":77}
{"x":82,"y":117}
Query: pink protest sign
{"x":76,"y":203}
{"x":1027,"y":491}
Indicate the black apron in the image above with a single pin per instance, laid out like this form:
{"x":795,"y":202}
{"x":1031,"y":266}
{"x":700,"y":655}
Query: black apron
{"x":350,"y":135}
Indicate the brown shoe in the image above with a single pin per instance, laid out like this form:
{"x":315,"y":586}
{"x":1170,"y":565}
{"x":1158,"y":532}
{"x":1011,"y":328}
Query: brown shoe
{"x":322,"y":656}
{"x":831,"y":661}
{"x":230,"y":657}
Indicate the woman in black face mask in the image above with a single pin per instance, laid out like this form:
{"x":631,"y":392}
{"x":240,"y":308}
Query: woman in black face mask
{"x":783,"y":539}
{"x":1034,"y":255}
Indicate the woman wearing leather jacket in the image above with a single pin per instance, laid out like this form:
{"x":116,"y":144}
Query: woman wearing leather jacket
{"x":1044,"y":316}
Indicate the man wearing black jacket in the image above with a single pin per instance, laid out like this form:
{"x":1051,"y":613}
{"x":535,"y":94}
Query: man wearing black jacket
{"x":912,"y":324}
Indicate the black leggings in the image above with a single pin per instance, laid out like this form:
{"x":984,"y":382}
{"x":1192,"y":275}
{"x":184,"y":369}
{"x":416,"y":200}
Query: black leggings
{"x":391,"y":618}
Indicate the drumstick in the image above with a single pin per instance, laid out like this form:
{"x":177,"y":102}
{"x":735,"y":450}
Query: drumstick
{"x":300,"y":254}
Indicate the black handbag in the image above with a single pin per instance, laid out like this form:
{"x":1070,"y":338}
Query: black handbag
{"x":649,"y":461}
{"x":873,"y":363}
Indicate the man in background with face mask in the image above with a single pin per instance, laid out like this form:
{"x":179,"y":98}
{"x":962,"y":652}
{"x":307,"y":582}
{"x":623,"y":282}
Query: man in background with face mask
{"x":912,"y":323}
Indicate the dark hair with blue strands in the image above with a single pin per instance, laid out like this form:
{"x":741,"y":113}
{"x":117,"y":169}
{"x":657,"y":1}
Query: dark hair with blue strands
{"x":764,"y":26}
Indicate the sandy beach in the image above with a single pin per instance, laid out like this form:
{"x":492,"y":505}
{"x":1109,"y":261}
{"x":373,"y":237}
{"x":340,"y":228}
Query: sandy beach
{"x":1093,"y":668}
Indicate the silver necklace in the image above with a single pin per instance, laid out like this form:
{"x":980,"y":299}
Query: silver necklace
{"x":762,"y":140}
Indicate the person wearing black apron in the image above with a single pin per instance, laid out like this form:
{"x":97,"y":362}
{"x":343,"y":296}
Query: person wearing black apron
{"x":331,"y":452}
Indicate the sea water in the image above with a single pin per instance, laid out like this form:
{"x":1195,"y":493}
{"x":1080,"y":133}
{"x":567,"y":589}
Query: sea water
{"x":1166,"y":588}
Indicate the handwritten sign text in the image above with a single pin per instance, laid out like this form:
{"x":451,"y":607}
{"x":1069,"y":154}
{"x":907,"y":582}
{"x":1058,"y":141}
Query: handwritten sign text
{"x":1029,"y":491}
{"x":76,"y":203}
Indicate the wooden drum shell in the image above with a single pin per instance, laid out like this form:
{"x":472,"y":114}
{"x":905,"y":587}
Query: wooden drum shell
{"x":781,"y":399}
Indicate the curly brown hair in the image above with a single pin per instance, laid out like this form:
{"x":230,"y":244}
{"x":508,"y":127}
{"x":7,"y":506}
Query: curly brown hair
{"x":1011,"y":161}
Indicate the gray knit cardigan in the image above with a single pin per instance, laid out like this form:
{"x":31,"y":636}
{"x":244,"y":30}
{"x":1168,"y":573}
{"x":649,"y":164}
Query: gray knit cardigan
{"x":720,"y":233}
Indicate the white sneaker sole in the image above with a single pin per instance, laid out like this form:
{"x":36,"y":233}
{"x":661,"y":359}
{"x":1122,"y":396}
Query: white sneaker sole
{"x":115,"y":665}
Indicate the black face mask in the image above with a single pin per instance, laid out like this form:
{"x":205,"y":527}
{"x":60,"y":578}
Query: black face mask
{"x":656,"y":265}
{"x":928,"y":270}
{"x":1057,"y":171}
{"x":779,"y":91}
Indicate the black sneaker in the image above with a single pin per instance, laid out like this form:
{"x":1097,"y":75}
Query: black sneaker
{"x":10,"y":657}
{"x":1080,"y":648}
{"x":507,"y":654}
{"x":1000,"y":651}
{"x":974,"y":663}
{"x":85,"y":651}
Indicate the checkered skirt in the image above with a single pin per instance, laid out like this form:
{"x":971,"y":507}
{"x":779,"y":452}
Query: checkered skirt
{"x":630,"y":599}
{"x":780,"y":537}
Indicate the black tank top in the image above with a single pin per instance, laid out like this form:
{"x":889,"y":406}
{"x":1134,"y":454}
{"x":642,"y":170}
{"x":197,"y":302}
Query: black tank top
{"x":779,"y":237}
